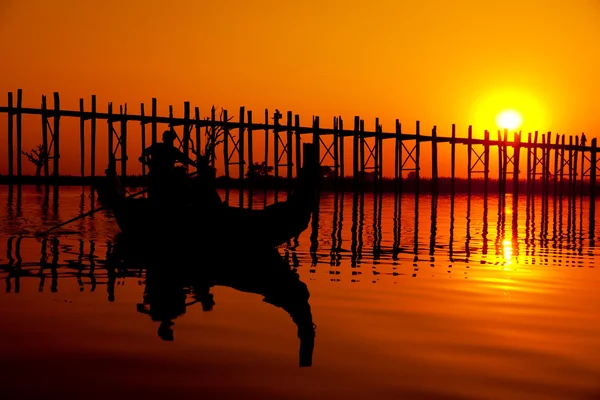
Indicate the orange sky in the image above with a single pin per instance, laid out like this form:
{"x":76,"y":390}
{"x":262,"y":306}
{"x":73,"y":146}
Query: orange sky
{"x":436,"y":61}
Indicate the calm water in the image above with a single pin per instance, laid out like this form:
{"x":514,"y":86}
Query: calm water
{"x":427,"y":299}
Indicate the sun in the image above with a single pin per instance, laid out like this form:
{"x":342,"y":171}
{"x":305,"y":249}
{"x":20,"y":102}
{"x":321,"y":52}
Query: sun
{"x":509,"y":119}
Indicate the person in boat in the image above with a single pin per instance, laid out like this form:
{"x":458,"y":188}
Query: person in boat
{"x":161,"y":158}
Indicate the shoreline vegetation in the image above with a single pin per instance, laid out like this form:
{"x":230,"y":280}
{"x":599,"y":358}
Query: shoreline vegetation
{"x":346,"y":184}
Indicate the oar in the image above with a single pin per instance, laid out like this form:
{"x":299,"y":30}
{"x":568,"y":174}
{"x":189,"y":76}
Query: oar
{"x":95,"y":210}
{"x":37,"y":234}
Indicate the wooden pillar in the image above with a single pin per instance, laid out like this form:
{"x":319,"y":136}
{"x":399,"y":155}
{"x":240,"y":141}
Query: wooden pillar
{"x":111,"y":160}
{"x":298,"y":144}
{"x":154,"y":121}
{"x":434,"y":160}
{"x":336,"y":149}
{"x":547,"y":166}
{"x":500,"y":159}
{"x":486,"y":161}
{"x":516,"y":158}
{"x":341,"y":146}
{"x":593,"y":166}
{"x":398,"y":152}
{"x":504,"y":160}
{"x":290,"y":150}
{"x":362,"y":152}
{"x":186,"y":129}
{"x":529,"y":152}
{"x":19,"y":133}
{"x":56,"y":171}
{"x":453,"y":162}
{"x":575,"y":165}
{"x":317,"y":140}
{"x":266,"y":140}
{"x":143,"y":128}
{"x":276,"y":117}
{"x":212,"y":136}
{"x":45,"y":135}
{"x":355,"y":150}
{"x":376,"y":165}
{"x":534,"y":157}
{"x":543,"y":168}
{"x":123,"y":142}
{"x":10,"y":137}
{"x":241,"y":144}
{"x":418,"y":158}
{"x":93,"y":138}
{"x":250,"y":148}
{"x":81,"y":139}
{"x":469,"y":157}
{"x":562,"y":165}
{"x":556,"y":153}
{"x":380,"y":153}
{"x":570,"y":165}
{"x":226,"y":146}
{"x":582,"y":175}
{"x":198,"y":137}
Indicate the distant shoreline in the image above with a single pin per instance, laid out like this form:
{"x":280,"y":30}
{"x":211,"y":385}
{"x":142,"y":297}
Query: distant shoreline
{"x":346,"y":184}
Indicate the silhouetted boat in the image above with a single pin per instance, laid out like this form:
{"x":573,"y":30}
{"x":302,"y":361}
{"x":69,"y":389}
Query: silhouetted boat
{"x":199,"y":213}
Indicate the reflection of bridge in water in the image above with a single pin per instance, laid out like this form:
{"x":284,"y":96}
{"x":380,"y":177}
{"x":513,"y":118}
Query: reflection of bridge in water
{"x":555,"y":233}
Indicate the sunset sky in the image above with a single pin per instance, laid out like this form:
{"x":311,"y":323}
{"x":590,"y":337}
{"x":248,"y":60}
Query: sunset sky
{"x":436,"y":61}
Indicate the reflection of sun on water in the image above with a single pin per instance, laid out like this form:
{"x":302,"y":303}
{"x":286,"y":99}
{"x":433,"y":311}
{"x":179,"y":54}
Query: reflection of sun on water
{"x":508,"y":251}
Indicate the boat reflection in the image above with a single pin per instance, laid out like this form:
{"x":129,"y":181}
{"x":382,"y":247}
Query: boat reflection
{"x":177,"y":280}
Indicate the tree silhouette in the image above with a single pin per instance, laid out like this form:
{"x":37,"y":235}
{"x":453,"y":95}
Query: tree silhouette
{"x":214,"y":136}
{"x":37,"y":156}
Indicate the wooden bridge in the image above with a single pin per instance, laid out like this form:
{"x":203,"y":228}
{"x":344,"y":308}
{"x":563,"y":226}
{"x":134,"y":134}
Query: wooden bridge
{"x":566,"y":163}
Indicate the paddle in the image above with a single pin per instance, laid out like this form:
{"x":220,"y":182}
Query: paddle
{"x":37,"y":234}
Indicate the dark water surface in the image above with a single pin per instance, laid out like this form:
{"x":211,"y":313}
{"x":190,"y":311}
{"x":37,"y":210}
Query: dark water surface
{"x":427,"y":299}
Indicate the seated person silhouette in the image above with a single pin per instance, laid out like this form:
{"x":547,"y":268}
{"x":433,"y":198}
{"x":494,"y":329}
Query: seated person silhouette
{"x":163,"y":176}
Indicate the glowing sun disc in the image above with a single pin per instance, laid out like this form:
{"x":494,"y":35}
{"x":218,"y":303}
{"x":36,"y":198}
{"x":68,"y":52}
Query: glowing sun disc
{"x":509,"y":119}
